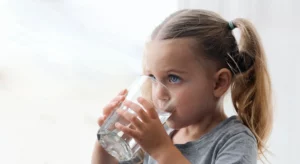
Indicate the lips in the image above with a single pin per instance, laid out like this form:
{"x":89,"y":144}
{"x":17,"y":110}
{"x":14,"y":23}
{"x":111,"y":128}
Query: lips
{"x":164,"y":106}
{"x":160,"y":105}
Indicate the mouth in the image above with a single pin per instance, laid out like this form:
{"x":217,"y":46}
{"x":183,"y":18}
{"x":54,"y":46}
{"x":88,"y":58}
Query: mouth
{"x":160,"y":105}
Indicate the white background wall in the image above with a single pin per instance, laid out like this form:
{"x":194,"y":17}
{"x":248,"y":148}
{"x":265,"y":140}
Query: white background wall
{"x":61,"y":61}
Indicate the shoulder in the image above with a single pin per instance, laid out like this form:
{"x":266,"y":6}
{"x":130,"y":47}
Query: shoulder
{"x":233,"y":127}
{"x":237,"y":144}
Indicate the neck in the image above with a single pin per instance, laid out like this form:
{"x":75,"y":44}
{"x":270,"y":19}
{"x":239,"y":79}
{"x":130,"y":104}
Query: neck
{"x":203,"y":126}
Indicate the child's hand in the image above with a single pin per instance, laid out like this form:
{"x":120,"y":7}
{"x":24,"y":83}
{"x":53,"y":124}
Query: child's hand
{"x":147,"y":130}
{"x":99,"y":154}
{"x":111,"y":106}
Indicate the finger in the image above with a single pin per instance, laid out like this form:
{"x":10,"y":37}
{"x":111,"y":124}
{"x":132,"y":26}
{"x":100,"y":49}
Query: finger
{"x":131,"y":118}
{"x":127,"y":130}
{"x":109,"y":108}
{"x":126,"y":115}
{"x":149,"y":107}
{"x":115,"y":102}
{"x":136,"y":123}
{"x":130,"y":121}
{"x":138,"y":110}
{"x":120,"y":96}
{"x":100,"y":120}
{"x":123,"y":92}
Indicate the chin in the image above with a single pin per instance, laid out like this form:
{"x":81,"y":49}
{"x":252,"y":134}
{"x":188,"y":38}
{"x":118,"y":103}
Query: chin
{"x":173,"y":125}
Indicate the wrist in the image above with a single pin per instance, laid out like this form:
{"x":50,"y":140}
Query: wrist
{"x":170,"y":155}
{"x":164,"y":153}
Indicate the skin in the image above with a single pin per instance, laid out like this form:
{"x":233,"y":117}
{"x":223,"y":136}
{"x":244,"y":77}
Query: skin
{"x":199,"y":87}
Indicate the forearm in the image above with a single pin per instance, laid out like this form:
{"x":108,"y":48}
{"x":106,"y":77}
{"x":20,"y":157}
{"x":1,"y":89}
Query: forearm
{"x":100,"y":156}
{"x":170,"y":155}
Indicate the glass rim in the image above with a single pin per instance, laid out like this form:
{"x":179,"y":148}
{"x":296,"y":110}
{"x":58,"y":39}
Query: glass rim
{"x":148,"y":76}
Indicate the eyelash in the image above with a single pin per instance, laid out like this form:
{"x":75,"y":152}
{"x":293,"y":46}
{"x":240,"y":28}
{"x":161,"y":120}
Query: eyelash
{"x":152,"y":76}
{"x":170,"y":78}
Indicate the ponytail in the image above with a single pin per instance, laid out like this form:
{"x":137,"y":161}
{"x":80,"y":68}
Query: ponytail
{"x":251,"y":89}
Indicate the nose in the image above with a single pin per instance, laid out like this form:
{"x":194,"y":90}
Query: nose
{"x":161,"y":92}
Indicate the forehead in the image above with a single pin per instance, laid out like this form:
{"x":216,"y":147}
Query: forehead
{"x":176,"y":53}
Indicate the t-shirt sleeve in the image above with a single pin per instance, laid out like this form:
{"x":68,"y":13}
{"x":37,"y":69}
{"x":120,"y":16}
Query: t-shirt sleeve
{"x":238,"y":149}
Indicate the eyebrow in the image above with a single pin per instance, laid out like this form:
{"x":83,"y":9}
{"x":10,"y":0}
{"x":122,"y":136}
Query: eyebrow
{"x":178,"y":71}
{"x":169,"y":71}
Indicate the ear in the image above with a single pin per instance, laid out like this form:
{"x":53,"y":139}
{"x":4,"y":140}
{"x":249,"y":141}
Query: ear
{"x":222,"y":82}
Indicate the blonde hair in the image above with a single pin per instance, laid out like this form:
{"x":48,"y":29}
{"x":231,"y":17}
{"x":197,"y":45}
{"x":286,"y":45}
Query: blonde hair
{"x":250,"y":88}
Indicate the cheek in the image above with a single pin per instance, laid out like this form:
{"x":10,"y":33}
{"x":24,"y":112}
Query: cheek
{"x":194,"y":98}
{"x":192,"y":103}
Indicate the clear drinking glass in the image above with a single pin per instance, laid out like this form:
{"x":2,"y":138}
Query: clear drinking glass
{"x":120,"y":145}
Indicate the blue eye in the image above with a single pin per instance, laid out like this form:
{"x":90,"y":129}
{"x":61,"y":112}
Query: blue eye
{"x":174,"y":79}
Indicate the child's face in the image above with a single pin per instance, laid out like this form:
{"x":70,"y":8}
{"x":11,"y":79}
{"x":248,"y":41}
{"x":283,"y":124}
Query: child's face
{"x":175,"y":64}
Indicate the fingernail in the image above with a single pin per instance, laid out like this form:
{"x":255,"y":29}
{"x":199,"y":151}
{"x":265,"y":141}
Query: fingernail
{"x":124,"y":90}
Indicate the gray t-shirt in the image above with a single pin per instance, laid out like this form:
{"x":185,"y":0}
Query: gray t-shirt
{"x":230,"y":142}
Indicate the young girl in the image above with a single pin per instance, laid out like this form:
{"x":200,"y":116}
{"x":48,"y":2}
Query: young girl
{"x":197,"y":54}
